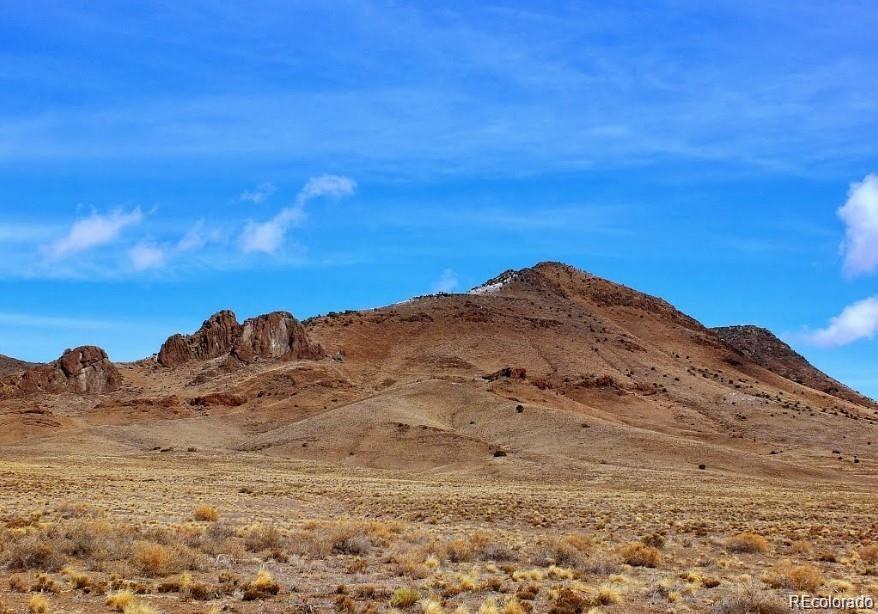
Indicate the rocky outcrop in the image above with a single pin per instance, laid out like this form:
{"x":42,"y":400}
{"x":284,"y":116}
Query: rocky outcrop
{"x":765,"y":349}
{"x":276,"y":335}
{"x":84,"y":370}
{"x":216,"y":337}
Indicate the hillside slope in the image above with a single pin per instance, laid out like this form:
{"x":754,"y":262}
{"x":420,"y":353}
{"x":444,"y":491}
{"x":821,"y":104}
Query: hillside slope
{"x":547,"y":369}
{"x":765,"y":349}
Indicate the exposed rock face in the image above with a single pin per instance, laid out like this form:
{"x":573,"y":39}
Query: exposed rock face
{"x":85,"y":370}
{"x":765,"y":349}
{"x":274,"y":335}
{"x":216,"y":337}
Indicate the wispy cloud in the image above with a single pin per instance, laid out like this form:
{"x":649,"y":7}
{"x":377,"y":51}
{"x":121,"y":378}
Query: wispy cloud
{"x":268,"y":237}
{"x":261,"y":193}
{"x":334,"y":186}
{"x":856,"y":321}
{"x":146,"y":255}
{"x":93,"y":231}
{"x":447,"y":282}
{"x":860,"y":216}
{"x":194,"y":238}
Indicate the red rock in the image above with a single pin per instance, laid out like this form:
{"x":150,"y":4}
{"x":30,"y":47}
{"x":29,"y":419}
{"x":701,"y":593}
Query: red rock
{"x":274,"y":335}
{"x":84,"y":369}
{"x":216,"y":337}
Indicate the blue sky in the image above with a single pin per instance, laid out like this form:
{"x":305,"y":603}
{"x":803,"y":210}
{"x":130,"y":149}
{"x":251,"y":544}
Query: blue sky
{"x":161,"y":161}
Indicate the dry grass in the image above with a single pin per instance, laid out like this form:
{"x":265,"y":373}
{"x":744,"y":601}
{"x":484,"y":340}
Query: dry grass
{"x":206,"y":513}
{"x":747,"y":542}
{"x":437,"y":545}
{"x":38,"y":604}
{"x":797,"y":577}
{"x":640,"y":555}
{"x":404,"y":598}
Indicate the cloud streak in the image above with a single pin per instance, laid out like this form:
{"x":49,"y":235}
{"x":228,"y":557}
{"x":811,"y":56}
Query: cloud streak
{"x":856,"y":321}
{"x":269,"y":236}
{"x":93,"y":231}
{"x":262,"y":192}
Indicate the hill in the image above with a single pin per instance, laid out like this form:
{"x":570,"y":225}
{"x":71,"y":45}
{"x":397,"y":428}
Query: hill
{"x":547,"y":366}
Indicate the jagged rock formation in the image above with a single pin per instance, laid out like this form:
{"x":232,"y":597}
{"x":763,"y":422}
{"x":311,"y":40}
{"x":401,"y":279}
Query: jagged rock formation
{"x":765,"y":349}
{"x":274,"y":335}
{"x":84,"y":370}
{"x":216,"y":337}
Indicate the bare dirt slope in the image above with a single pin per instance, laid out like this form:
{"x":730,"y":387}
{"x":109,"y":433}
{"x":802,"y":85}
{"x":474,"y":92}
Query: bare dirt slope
{"x":546,"y":369}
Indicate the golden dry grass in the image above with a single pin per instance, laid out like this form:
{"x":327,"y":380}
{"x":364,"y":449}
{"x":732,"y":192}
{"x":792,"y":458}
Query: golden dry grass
{"x":351,"y":540}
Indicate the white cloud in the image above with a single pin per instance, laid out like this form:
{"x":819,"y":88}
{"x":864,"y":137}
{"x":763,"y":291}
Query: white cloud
{"x":268,"y":236}
{"x":856,"y":321}
{"x":860,"y":215}
{"x":193,"y":239}
{"x":447,"y":282}
{"x":93,"y":231}
{"x":146,"y":256}
{"x":262,"y":192}
{"x":327,"y":185}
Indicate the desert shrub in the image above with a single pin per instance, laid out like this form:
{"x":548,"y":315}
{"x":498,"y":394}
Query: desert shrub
{"x":567,"y":550}
{"x":410,"y":562}
{"x":32,"y":551}
{"x":120,"y":600}
{"x":38,"y":605}
{"x":94,"y":539}
{"x":457,"y":551}
{"x":205,"y":512}
{"x":155,"y":560}
{"x":404,"y":597}
{"x":747,"y":542}
{"x":261,"y":587}
{"x":259,"y":537}
{"x":797,"y":577}
{"x":638,"y":554}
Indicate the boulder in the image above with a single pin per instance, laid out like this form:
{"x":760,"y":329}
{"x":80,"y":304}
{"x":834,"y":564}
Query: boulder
{"x":85,"y":369}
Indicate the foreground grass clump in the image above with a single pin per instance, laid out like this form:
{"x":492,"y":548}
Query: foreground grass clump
{"x":205,"y":513}
{"x":38,"y":605}
{"x":747,"y":542}
{"x":797,"y":577}
{"x":638,"y":554}
{"x":261,"y":587}
{"x":120,"y":600}
{"x":404,"y":597}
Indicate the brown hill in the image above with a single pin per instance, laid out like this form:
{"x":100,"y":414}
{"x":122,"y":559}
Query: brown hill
{"x":547,"y":369}
{"x":765,"y":349}
{"x":9,"y":365}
